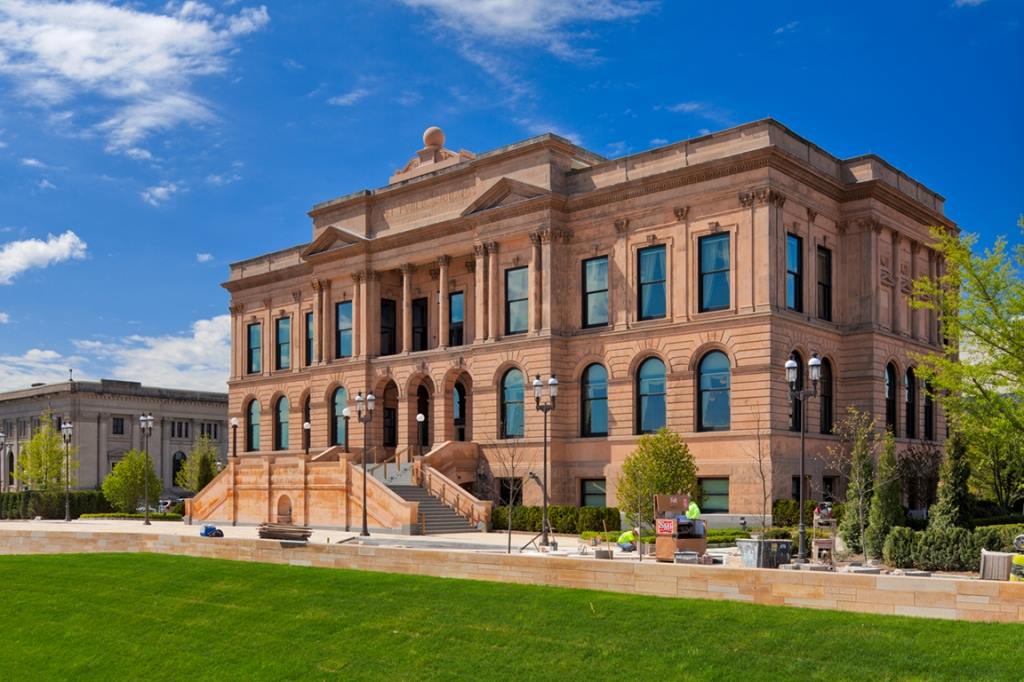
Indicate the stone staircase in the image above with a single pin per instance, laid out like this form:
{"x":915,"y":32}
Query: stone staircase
{"x":435,"y":516}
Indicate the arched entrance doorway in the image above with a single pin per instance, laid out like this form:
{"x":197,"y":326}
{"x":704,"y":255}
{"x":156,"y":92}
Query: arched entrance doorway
{"x":389,"y":418}
{"x":284,"y":509}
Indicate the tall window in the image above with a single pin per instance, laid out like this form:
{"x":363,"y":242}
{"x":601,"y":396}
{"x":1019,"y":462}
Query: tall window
{"x":929,"y":413}
{"x":338,"y":403}
{"x":307,"y":417}
{"x":177,"y":464}
{"x":254,"y":364}
{"x":459,"y":411}
{"x":651,"y":290}
{"x":456,"y":318}
{"x":713,"y":254}
{"x":343,"y":330}
{"x":890,"y":397}
{"x":594,"y":405}
{"x":517,"y":306}
{"x":825,"y":387}
{"x":252,"y":426}
{"x":796,"y":406}
{"x":388,"y":327}
{"x":593,"y":492}
{"x":419,"y":324}
{"x":714,"y":495}
{"x":595,"y":292}
{"x":824,"y":284}
{"x":510,"y":491}
{"x":281,"y":424}
{"x":910,"y":402}
{"x":390,"y":423}
{"x":283,"y":337}
{"x":117,"y":426}
{"x":650,"y":394}
{"x":310,"y":334}
{"x":512,"y":395}
{"x":794,"y":273}
{"x":713,"y":403}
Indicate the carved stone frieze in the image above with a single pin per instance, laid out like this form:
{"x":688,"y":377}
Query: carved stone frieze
{"x":681,"y":213}
{"x":622,"y":226}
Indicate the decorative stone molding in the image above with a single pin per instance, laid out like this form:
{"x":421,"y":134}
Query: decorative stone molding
{"x":357,"y":276}
{"x":492,"y":247}
{"x":317,"y":284}
{"x":622,"y":226}
{"x":769,"y":195}
{"x":471,"y":266}
{"x":434,"y":273}
{"x":811,"y":215}
{"x":746,"y":198}
{"x":236,"y":308}
{"x":869,"y":223}
{"x":407,"y":268}
{"x":296,"y":296}
{"x":547,"y":235}
{"x":842,"y":226}
{"x":268,"y":303}
{"x":479,"y":250}
{"x":681,"y":213}
{"x":444,"y":261}
{"x":714,"y":226}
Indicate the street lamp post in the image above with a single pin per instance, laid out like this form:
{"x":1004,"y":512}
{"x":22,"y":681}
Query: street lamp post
{"x":420,"y":418}
{"x":345,"y":414}
{"x":66,"y":431}
{"x":798,"y":393}
{"x":364,"y":417}
{"x":234,"y":436}
{"x":306,"y":426}
{"x":146,"y":424}
{"x":545,"y":407}
{"x":3,"y":462}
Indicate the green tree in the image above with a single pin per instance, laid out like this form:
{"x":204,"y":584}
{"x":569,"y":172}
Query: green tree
{"x":996,"y":456}
{"x":41,"y":464}
{"x":886,"y":504}
{"x":199,"y":467}
{"x":660,"y":465}
{"x":953,"y":508}
{"x":124,"y":486}
{"x":856,"y":453}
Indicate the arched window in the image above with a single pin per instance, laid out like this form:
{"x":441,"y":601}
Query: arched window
{"x":890,"y":397}
{"x":281,"y":424}
{"x":512,"y":395}
{"x":796,"y":407}
{"x":594,"y":401}
{"x":338,"y":403}
{"x":929,"y":412}
{"x":825,"y":388}
{"x":459,"y":411}
{"x":176,"y":465}
{"x":713,"y":388}
{"x":423,"y":407}
{"x":910,"y":402}
{"x":252,"y":427}
{"x":650,"y":396}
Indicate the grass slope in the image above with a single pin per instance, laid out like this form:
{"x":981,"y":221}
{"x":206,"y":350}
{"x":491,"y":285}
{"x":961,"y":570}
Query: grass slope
{"x":136,"y":616}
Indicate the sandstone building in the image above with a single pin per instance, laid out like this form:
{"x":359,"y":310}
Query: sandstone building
{"x":665,"y":288}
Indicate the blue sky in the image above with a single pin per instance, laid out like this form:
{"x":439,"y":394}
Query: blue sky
{"x":144,"y":146}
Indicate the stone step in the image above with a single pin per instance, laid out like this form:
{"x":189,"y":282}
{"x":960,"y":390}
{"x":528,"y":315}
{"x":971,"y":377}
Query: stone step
{"x":437,"y":516}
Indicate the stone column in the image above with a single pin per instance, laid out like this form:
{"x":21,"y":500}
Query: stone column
{"x":534,"y":278}
{"x":268,"y":337}
{"x":318,"y":322}
{"x":369,"y":314}
{"x":618,"y":277}
{"x":545,"y":288}
{"x":358,"y":288}
{"x":238,"y":341}
{"x":480,"y":294}
{"x":494,"y":292}
{"x":407,"y":270}
{"x":443,"y":317}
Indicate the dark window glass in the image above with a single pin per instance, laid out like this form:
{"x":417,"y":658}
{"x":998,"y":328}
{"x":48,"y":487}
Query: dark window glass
{"x":929,"y":413}
{"x":594,"y":407}
{"x":824,"y":283}
{"x":595,"y":292}
{"x":255,"y":361}
{"x":388,"y":327}
{"x":890,"y":398}
{"x":651,"y":290}
{"x":281,"y":425}
{"x":343,"y":330}
{"x":510,"y":492}
{"x":593,"y":492}
{"x":796,"y":406}
{"x":794,"y":488}
{"x":252,"y":424}
{"x":650,"y":391}
{"x":310,"y":334}
{"x":512,"y":395}
{"x":339,"y":401}
{"x":825,"y":388}
{"x":517,"y":305}
{"x":713,"y":412}
{"x":456,"y":318}
{"x":307,"y":417}
{"x":283,"y":334}
{"x":714,"y":495}
{"x":910,"y":401}
{"x":419,"y":324}
{"x":714,"y":272}
{"x":830,"y":488}
{"x":423,"y":407}
{"x":794,"y":273}
{"x":459,"y":411}
{"x":117,"y":426}
{"x":390,"y":427}
{"x":177,"y":464}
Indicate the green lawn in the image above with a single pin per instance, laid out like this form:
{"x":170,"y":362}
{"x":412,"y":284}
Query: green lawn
{"x":143,"y":616}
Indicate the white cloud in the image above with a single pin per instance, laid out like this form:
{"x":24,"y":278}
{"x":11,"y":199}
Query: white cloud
{"x":620,"y":148}
{"x":702,"y":109}
{"x":967,"y":3}
{"x":158,"y":194}
{"x":137,"y":67}
{"x":539,"y":127}
{"x":204,"y":257}
{"x":658,"y":141}
{"x":349,"y":98}
{"x":35,"y":365}
{"x":18,"y":256}
{"x":5,"y":318}
{"x":292,"y":65}
{"x":683,"y":107}
{"x":45,"y":184}
{"x":33,"y":163}
{"x":787,"y":28}
{"x":221,"y":179}
{"x":409,"y":98}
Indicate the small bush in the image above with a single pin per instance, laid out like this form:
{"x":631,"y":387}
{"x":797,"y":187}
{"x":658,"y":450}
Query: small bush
{"x":999,"y":520}
{"x":898,"y":550}
{"x":154,"y":516}
{"x":563,"y":519}
{"x":787,"y":512}
{"x":28,"y":504}
{"x":945,"y":549}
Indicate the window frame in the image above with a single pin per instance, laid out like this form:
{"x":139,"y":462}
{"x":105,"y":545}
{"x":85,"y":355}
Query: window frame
{"x":824,"y":263}
{"x":510,"y":301}
{"x":701,"y":426}
{"x":910,"y":403}
{"x":283,"y":348}
{"x":890,"y":387}
{"x":252,"y":428}
{"x":703,"y":274}
{"x":705,"y":506}
{"x":310,"y":338}
{"x":420,"y":331}
{"x":254,"y":360}
{"x":586,"y":403}
{"x":587,"y":293}
{"x":826,"y":400}
{"x":638,"y":397}
{"x":797,"y":276}
{"x":340,"y":333}
{"x":456,"y":330}
{"x":281,"y":431}
{"x":796,"y":405}
{"x":503,"y":404}
{"x":641,"y":284}
{"x":584,"y":495}
{"x":388,"y":333}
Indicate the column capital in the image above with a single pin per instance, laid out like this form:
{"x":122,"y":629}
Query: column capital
{"x":811,"y":215}
{"x":622,"y":226}
{"x":681,"y":213}
{"x":769,"y":195}
{"x":444,"y":261}
{"x":492,"y":247}
{"x":357,"y":276}
{"x":236,"y":308}
{"x":317,"y":284}
{"x":746,"y":198}
{"x":479,"y":250}
{"x":407,"y":269}
{"x":434,"y":273}
{"x":471,"y":265}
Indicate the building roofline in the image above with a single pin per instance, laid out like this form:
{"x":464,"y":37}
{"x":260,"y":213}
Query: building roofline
{"x":114,"y":387}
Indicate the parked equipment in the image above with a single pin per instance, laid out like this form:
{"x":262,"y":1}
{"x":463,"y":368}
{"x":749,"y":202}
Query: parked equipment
{"x":674,"y":532}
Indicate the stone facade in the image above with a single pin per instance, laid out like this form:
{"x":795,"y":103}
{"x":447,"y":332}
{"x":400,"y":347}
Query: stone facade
{"x":458,"y":223}
{"x":105,"y":415}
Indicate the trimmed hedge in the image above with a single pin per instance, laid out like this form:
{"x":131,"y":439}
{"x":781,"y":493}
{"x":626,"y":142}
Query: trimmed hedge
{"x":1008,"y":519}
{"x":28,"y":504}
{"x":563,"y":519}
{"x":153,"y":516}
{"x":716,"y":536}
{"x":946,"y":549}
{"x":787,"y":512}
{"x":898,"y":550}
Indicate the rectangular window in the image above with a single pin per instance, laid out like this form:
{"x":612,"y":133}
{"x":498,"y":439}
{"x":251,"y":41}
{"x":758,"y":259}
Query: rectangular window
{"x":794,"y":488}
{"x":713,"y":257}
{"x":388,"y":327}
{"x":824,"y":284}
{"x":390,"y":423}
{"x":830,"y":488}
{"x":343,"y":330}
{"x":283,"y":334}
{"x":714,"y":495}
{"x":651,"y":282}
{"x":510,"y":492}
{"x":255,"y":362}
{"x":456,"y":318}
{"x":310,"y":333}
{"x":794,"y":273}
{"x":517,"y":306}
{"x":419,"y":324}
{"x":595,"y":292}
{"x":117,"y":426}
{"x":592,"y":492}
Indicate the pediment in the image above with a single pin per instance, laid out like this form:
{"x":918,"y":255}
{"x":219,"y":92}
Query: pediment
{"x":331,"y":239}
{"x":504,"y":192}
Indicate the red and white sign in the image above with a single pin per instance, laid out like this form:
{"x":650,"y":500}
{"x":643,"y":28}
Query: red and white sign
{"x":664,"y":526}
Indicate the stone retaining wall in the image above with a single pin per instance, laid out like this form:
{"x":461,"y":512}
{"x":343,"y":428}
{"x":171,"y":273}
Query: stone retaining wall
{"x":930,"y":597}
